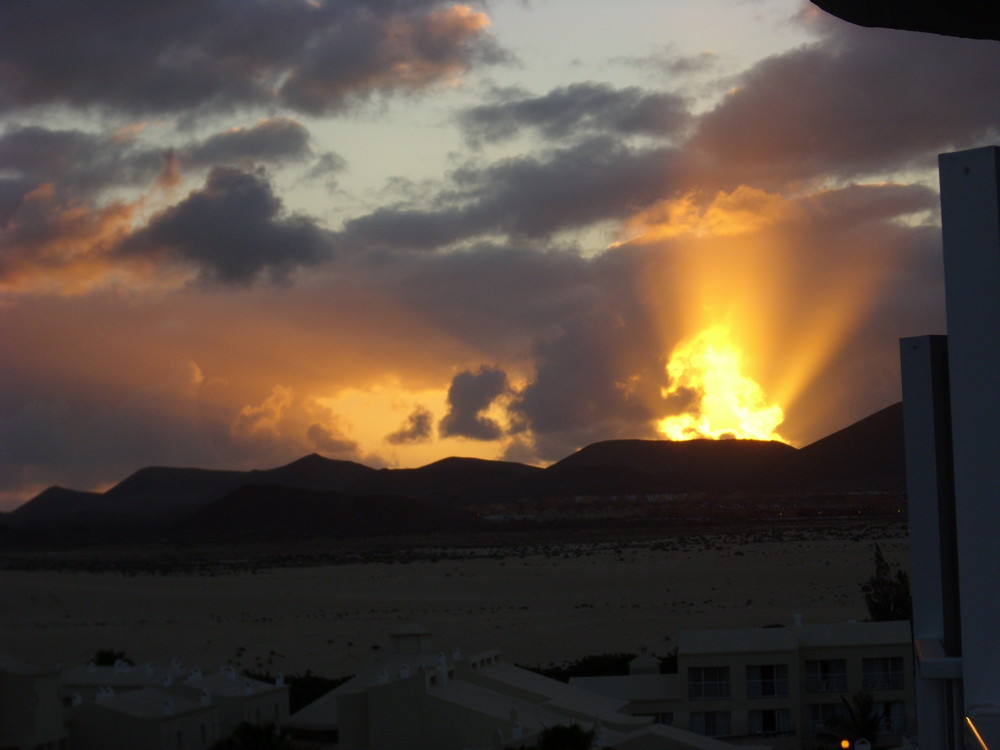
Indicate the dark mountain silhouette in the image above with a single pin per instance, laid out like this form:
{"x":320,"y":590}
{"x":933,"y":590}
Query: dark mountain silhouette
{"x":159,"y":488}
{"x":451,"y":478}
{"x":55,"y":504}
{"x":265,"y":512}
{"x":313,"y":472}
{"x":662,"y":466}
{"x":162,"y":494}
{"x":867,"y":455}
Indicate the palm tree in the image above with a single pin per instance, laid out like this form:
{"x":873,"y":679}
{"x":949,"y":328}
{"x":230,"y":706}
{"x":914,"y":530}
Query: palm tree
{"x":565,"y":737}
{"x":249,"y":736}
{"x":860,"y":720}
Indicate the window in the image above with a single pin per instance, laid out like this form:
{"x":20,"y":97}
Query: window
{"x":711,"y":723}
{"x":893,"y":715}
{"x":708,"y":683}
{"x":883,"y":674}
{"x":820,"y":715}
{"x":770,"y":721}
{"x":767,"y":681}
{"x":826,"y":676}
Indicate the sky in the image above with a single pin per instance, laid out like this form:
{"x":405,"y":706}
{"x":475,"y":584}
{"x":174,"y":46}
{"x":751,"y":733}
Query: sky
{"x":234,"y":232}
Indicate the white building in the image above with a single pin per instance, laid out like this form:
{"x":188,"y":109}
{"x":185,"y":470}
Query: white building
{"x":952,"y":426}
{"x":86,"y":681}
{"x":145,"y":719}
{"x":416,"y":699}
{"x":31,"y":716}
{"x":239,"y":698}
{"x":775,"y":686}
{"x":167,"y":707}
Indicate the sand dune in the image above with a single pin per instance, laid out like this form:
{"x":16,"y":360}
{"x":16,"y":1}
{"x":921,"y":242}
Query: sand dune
{"x":537,"y":604}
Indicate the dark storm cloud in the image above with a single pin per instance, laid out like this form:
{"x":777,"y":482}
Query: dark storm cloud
{"x":77,"y":161}
{"x":578,"y":108}
{"x":679,"y":65}
{"x":85,"y":163}
{"x":325,"y":168}
{"x":331,"y":442}
{"x":274,"y":139}
{"x":573,"y":187}
{"x":397,"y":51}
{"x":233,"y":230}
{"x":164,"y":56}
{"x":12,"y":192}
{"x":57,"y":216}
{"x":527,"y":196}
{"x":859,"y":205}
{"x":418,"y":428}
{"x":99,"y":437}
{"x":600,"y":375}
{"x":857,"y":102}
{"x":469,"y":395}
{"x":667,"y":60}
{"x":47,"y":233}
{"x":497,"y":293}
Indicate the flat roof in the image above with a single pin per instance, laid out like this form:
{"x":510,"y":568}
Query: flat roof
{"x":231,"y":684}
{"x":813,"y":635}
{"x":16,"y":666}
{"x":149,"y":703}
{"x":126,"y":674}
{"x":662,"y":687}
{"x":737,"y":640}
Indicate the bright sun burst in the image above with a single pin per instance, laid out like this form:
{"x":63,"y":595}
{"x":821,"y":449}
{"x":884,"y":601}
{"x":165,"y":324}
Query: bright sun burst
{"x":727,"y":403}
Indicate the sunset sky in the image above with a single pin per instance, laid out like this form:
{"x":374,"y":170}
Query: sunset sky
{"x":236,"y":232}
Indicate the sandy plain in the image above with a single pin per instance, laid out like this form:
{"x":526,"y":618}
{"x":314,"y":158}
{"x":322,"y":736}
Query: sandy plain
{"x":537,"y":603}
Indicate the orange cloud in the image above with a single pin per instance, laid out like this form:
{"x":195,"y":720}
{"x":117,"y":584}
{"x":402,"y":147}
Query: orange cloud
{"x":262,"y":421}
{"x":55,"y":243}
{"x":741,"y":211}
{"x":415,"y":45}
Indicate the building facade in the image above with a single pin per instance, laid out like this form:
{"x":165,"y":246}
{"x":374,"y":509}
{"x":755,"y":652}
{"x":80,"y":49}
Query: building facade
{"x":146,"y":719}
{"x":781,"y":686}
{"x":31,"y":716}
{"x":416,"y":699}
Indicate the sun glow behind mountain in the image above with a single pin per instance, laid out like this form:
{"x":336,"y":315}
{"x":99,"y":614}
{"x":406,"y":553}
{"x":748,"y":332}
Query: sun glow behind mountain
{"x":726,"y":403}
{"x":752,"y":323}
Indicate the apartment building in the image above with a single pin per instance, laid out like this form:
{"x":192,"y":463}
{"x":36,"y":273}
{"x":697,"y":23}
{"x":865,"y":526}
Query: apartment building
{"x":31,"y":716}
{"x":780,"y":685}
{"x":145,"y":719}
{"x":239,"y":698}
{"x":163,"y":707}
{"x":418,"y":699}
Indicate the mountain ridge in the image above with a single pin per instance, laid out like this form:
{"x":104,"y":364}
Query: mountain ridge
{"x":867,"y":455}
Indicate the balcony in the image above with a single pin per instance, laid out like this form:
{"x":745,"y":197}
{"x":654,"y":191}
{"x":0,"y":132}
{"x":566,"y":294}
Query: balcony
{"x":832,"y":684}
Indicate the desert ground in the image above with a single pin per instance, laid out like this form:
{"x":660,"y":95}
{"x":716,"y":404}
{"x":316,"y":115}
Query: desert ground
{"x":537,"y":603}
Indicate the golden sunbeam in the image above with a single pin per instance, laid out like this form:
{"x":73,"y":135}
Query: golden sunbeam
{"x":727,"y":402}
{"x":765,"y":291}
